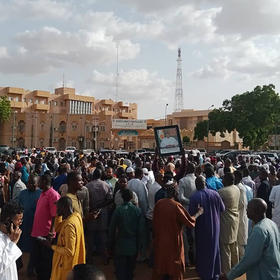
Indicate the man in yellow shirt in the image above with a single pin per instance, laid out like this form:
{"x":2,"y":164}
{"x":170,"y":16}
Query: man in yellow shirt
{"x":75,"y":184}
{"x":70,"y":248}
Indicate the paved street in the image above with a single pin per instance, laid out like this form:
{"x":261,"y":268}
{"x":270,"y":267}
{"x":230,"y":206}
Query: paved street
{"x":143,"y":272}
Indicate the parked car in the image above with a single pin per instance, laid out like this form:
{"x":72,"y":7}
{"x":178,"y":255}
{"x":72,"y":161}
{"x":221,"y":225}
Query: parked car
{"x":70,"y":149}
{"x":87,"y":152}
{"x":51,"y":150}
{"x":4,"y":148}
{"x":269,"y":155}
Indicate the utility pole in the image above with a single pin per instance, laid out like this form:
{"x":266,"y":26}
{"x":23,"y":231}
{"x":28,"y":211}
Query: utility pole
{"x":179,"y":102}
{"x":165,"y":114}
{"x":208,"y":127}
{"x":13,"y":130}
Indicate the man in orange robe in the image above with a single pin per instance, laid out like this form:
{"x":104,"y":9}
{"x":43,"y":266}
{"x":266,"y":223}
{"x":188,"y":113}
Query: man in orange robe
{"x":168,"y":221}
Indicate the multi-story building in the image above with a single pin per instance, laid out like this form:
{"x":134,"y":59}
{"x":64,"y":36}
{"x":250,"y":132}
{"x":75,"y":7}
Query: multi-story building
{"x":187,"y":120}
{"x":40,"y":118}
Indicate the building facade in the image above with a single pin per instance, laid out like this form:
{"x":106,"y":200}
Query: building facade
{"x":63,"y":118}
{"x":187,"y":120}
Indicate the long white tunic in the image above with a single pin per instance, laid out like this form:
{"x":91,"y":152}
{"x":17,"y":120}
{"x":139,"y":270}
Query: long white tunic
{"x":275,"y":199}
{"x":9,"y":253}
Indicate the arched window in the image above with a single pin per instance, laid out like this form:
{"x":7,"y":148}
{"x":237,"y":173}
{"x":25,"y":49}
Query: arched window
{"x":21,"y":126}
{"x":62,"y":126}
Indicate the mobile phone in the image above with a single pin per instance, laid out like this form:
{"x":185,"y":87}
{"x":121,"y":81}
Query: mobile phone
{"x":8,"y":226}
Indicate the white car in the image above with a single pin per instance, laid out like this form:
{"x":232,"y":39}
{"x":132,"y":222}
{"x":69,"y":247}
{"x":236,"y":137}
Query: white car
{"x":51,"y":150}
{"x":70,"y":150}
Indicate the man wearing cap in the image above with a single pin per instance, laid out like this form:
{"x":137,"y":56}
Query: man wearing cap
{"x":130,"y":173}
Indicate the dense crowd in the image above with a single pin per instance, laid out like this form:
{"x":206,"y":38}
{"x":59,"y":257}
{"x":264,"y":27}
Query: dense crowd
{"x":66,"y":210}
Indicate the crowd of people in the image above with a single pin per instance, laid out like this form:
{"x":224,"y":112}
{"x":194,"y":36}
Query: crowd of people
{"x":66,"y":210}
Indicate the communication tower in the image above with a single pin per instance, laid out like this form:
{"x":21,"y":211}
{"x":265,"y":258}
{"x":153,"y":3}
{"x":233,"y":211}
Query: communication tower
{"x":179,"y":103}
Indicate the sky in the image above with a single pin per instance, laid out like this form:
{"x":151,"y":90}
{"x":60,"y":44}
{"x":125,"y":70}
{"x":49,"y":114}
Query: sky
{"x":228,"y":47}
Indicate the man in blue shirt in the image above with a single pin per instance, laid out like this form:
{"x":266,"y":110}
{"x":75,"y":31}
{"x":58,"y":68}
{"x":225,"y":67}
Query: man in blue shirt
{"x":262,"y":254}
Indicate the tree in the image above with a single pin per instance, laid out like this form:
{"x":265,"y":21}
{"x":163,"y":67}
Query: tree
{"x":253,"y":114}
{"x":5,"y":108}
{"x":201,"y":130}
{"x":186,"y":140}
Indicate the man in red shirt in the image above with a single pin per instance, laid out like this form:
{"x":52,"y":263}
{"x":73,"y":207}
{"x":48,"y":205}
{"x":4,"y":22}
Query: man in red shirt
{"x":43,"y":227}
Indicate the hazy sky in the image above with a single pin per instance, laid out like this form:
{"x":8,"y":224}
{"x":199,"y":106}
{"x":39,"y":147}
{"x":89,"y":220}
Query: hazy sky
{"x":228,"y":47}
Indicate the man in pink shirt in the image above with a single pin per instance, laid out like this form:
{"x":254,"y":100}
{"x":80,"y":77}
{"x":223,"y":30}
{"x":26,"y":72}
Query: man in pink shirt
{"x":43,"y":227}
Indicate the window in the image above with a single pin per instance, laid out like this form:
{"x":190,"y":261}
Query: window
{"x":30,"y":101}
{"x":74,"y":127}
{"x":21,"y":126}
{"x":24,"y":99}
{"x":16,"y":99}
{"x":62,"y":127}
{"x":61,"y":103}
{"x":36,"y":101}
{"x":10,"y":98}
{"x":42,"y":125}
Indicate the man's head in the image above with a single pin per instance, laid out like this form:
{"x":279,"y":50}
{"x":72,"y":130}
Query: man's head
{"x":171,"y":191}
{"x":237,"y":177}
{"x":11,"y":212}
{"x":85,"y":272}
{"x":127,"y":195}
{"x":263,"y":174}
{"x":130,"y":172}
{"x":200,"y":183}
{"x":109,"y":172}
{"x":64,"y":207}
{"x":45,"y":182}
{"x":190,"y":168}
{"x":256,"y":209}
{"x":97,"y":174}
{"x":209,"y":171}
{"x":32,"y":183}
{"x":122,"y":182}
{"x":74,"y":181}
{"x":228,"y":179}
{"x":159,"y":178}
{"x":18,"y":175}
{"x":139,"y":173}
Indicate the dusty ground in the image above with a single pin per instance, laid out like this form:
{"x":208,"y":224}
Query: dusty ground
{"x":142,"y":272}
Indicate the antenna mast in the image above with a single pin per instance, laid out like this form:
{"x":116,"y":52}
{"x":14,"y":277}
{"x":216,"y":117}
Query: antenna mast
{"x":117,"y":74}
{"x":179,"y":105}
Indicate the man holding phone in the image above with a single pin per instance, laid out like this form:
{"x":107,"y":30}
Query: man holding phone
{"x":11,"y":219}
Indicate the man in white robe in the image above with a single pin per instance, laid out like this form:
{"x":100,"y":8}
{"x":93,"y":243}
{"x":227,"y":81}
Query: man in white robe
{"x":274,"y":198}
{"x":11,"y":219}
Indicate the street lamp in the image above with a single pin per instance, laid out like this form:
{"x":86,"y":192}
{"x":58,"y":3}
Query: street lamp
{"x":165,"y":115}
{"x":208,"y":127}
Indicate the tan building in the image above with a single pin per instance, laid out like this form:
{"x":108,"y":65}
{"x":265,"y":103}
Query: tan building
{"x":187,"y":120}
{"x":63,"y":118}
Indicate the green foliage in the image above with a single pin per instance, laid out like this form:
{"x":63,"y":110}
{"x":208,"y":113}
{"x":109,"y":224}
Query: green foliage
{"x":5,"y":108}
{"x":253,"y":114}
{"x":201,"y":130}
{"x":186,"y":140}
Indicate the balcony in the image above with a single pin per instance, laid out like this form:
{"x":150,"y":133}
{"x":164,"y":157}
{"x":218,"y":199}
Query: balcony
{"x":106,"y":113}
{"x":41,"y":93}
{"x":107,"y":102}
{"x":41,"y":107}
{"x":17,"y":104}
{"x":123,"y":104}
{"x":14,"y":90}
{"x":125,"y":115}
